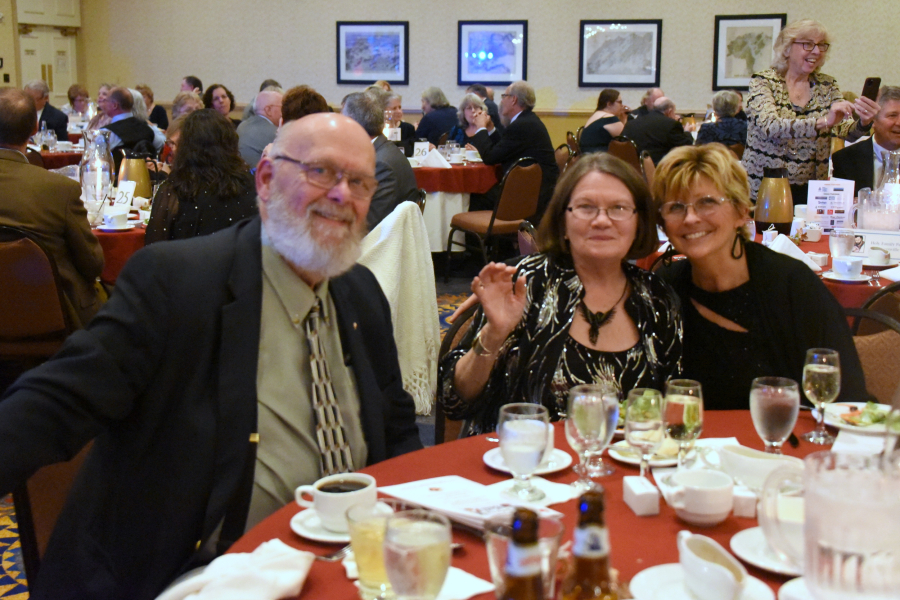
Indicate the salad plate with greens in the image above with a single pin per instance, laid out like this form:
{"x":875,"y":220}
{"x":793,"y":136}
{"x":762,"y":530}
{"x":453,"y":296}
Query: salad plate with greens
{"x":859,"y":417}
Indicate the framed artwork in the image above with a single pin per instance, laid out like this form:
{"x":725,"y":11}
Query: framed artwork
{"x":743,"y":46}
{"x":492,"y":52}
{"x":371,"y":50}
{"x":619,"y":53}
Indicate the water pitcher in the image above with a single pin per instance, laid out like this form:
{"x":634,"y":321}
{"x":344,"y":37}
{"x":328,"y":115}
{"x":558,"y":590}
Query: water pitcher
{"x":96,"y":173}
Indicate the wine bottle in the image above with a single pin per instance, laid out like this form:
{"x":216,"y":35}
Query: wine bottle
{"x":522,"y":573}
{"x":589,"y":577}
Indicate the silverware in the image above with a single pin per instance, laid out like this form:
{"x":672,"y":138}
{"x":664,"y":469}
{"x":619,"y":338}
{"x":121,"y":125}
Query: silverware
{"x":335,"y":556}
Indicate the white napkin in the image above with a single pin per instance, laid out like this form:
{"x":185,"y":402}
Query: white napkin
{"x":848,"y":442}
{"x":892,"y":274}
{"x":459,"y":585}
{"x":661,"y":474}
{"x":435,"y":159}
{"x":274,"y":570}
{"x":555,"y":492}
{"x":784,"y":245}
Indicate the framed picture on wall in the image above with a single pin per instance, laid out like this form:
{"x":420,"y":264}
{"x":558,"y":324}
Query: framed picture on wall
{"x":743,"y":46}
{"x":492,"y":52}
{"x":619,"y":53}
{"x":371,"y":50}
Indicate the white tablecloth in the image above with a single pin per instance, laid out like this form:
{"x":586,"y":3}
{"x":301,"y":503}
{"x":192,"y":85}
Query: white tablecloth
{"x":439,"y":209}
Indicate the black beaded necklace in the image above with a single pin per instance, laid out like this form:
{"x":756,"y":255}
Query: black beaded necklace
{"x":599,"y":319}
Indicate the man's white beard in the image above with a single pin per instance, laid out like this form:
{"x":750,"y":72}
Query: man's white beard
{"x":296,"y":237}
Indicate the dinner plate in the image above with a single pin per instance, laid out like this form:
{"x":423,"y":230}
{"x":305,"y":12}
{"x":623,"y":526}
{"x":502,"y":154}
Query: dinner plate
{"x":750,"y":546}
{"x":666,"y":582}
{"x":559,"y":460}
{"x":834,"y":411}
{"x":115,"y":229}
{"x":867,"y":265}
{"x":832,"y":276}
{"x":623,"y":452}
{"x":307,"y":525}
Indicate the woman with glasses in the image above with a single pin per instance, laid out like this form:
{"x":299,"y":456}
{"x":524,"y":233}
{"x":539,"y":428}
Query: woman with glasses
{"x":470,"y":107}
{"x":210,"y":186}
{"x":606,"y":123}
{"x":748,"y":311}
{"x":794,"y":110}
{"x":575,"y":313}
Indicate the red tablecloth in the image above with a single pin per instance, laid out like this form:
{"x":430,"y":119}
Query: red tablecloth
{"x":637,"y":542}
{"x":57,"y":160}
{"x":468,"y":179}
{"x":118,"y":246}
{"x":75,"y":137}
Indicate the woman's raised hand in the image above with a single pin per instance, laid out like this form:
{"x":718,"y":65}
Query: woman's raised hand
{"x":502,"y":300}
{"x":840,"y":110}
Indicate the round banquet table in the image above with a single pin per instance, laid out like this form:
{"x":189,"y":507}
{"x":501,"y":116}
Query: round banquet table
{"x":637,"y":542}
{"x":448,"y":194}
{"x":118,"y":246}
{"x":57,"y":160}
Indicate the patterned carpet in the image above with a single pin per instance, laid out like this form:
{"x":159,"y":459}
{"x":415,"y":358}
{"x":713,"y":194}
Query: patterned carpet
{"x":447,"y":303}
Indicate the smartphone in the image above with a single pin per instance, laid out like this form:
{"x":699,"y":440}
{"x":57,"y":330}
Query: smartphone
{"x":871,"y":87}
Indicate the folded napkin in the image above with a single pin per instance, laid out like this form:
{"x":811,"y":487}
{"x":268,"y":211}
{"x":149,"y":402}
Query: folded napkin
{"x":555,"y":492}
{"x":708,"y":447}
{"x":435,"y":159}
{"x":892,"y":274}
{"x":848,"y":442}
{"x":274,"y":570}
{"x":784,"y":245}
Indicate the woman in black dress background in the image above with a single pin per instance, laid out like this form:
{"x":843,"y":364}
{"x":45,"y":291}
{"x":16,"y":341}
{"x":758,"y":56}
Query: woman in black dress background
{"x":606,"y":123}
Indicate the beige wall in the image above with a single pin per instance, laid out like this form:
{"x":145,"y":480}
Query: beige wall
{"x":8,"y":46}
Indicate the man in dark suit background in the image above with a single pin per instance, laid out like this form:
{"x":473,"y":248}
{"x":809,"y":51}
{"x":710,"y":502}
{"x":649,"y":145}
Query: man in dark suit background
{"x":658,"y":131}
{"x":55,"y":119}
{"x":863,"y":162}
{"x":396,"y":180}
{"x":525,"y":136}
{"x":647,"y":102}
{"x":195,"y":380}
{"x":48,"y":206}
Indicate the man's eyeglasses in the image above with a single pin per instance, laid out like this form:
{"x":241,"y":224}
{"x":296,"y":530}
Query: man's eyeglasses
{"x":704,"y":207}
{"x":326,"y":177}
{"x":589,"y":212}
{"x":808,"y":46}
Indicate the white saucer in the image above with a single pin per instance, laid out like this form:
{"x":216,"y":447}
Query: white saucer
{"x":666,"y":582}
{"x":795,"y":589}
{"x":559,"y":460}
{"x":834,"y":411}
{"x":475,"y":160}
{"x":751,"y":547}
{"x":832,"y":276}
{"x":115,"y":229}
{"x":623,"y":452}
{"x":306,"y":524}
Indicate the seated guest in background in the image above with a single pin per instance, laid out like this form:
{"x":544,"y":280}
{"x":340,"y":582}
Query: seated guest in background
{"x":156,"y":113}
{"x":167,"y":157}
{"x":748,"y":311}
{"x":606,"y":123}
{"x":140,"y":112}
{"x":438,"y":116}
{"x":396,"y":181}
{"x":658,"y":131}
{"x":55,"y":119}
{"x":79,"y":100}
{"x":195,"y":380}
{"x":300,"y":101}
{"x":727,"y":129}
{"x":186,"y":103}
{"x":463,"y":131}
{"x":210,"y":186}
{"x":127,"y":131}
{"x":647,"y":101}
{"x":192,"y":84}
{"x":492,"y":110}
{"x":525,"y":136}
{"x":740,"y":113}
{"x":383,"y":85}
{"x":608,"y":320}
{"x":219,"y":98}
{"x":259,"y":131}
{"x":863,"y":162}
{"x":407,"y":130}
{"x":47,"y":205}
{"x":101,"y":118}
{"x":269,"y":85}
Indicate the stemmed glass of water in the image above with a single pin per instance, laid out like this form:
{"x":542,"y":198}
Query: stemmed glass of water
{"x":644,"y":423}
{"x":592,"y":416}
{"x":417,"y":553}
{"x":821,"y":384}
{"x":774,"y":404}
{"x":683,"y":414}
{"x":523,"y":432}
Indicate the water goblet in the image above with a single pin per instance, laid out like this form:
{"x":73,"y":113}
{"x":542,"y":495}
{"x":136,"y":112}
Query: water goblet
{"x":821,"y":384}
{"x":522,"y":430}
{"x":644,"y":423}
{"x":417,"y":553}
{"x":774,"y":404}
{"x":592,"y":416}
{"x":683,"y":414}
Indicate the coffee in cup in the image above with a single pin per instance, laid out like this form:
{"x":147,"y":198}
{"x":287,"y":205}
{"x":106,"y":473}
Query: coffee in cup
{"x":702,"y":497}
{"x":333,"y":495}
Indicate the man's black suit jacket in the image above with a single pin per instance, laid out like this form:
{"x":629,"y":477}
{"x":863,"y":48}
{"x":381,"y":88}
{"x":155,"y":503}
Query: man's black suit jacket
{"x":525,"y":137}
{"x":856,"y":162}
{"x":56,"y":120}
{"x":396,"y":181}
{"x":657,"y":134}
{"x":164,"y":381}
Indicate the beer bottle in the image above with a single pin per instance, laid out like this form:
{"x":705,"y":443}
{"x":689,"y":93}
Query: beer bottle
{"x":589,"y":576}
{"x":522,"y":574}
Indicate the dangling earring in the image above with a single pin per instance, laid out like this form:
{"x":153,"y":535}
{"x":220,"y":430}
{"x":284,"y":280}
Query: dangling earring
{"x":737,"y":248}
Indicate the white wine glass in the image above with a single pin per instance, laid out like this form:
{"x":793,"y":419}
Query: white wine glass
{"x":683,"y":414}
{"x":522,"y":430}
{"x":417,"y":553}
{"x":821,"y":384}
{"x":774,"y":404}
{"x":644,"y":423}
{"x":592,"y":415}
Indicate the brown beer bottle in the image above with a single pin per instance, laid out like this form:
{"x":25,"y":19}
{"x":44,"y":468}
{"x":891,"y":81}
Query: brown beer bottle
{"x":589,"y":576}
{"x":522,"y":574}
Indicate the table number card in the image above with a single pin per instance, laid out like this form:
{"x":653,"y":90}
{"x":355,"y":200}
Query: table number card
{"x":125,"y":193}
{"x":420,"y":149}
{"x":828,"y":203}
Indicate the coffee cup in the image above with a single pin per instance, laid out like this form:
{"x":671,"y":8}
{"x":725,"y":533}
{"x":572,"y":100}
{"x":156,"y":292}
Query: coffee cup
{"x":813,"y":234}
{"x":115,"y":219}
{"x":879,"y":256}
{"x":848,"y":266}
{"x":702,"y":497}
{"x":331,"y":497}
{"x":456,"y":158}
{"x":472,"y":155}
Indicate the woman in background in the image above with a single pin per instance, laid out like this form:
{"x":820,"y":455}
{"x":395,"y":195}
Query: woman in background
{"x":220,"y":99}
{"x":727,"y":129}
{"x":100,"y":119}
{"x":607,"y":122}
{"x":157,"y":114}
{"x":469,"y":108}
{"x":407,"y":130}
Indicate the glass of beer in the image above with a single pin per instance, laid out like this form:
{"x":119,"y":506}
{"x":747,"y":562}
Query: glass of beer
{"x":368,"y":524}
{"x":821,"y":384}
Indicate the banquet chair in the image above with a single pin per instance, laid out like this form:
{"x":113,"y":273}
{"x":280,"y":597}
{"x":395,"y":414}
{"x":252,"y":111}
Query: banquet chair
{"x":445,"y":428}
{"x":423,"y":195}
{"x":578,"y":133}
{"x":572,"y":141}
{"x":564,"y":155}
{"x":518,"y":200}
{"x":649,"y":167}
{"x":885,"y":301}
{"x":879,"y":353}
{"x":34,"y":158}
{"x":624,"y":148}
{"x":443,"y":139}
{"x":526,"y":239}
{"x":738,"y":150}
